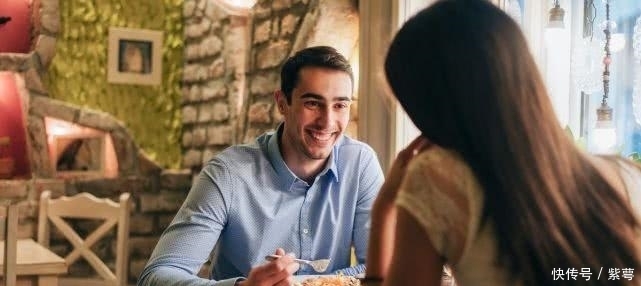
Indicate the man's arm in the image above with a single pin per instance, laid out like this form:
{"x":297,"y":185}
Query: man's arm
{"x":186,"y":244}
{"x":370,"y":182}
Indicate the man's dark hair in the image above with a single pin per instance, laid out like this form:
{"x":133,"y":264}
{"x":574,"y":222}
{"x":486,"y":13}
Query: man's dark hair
{"x":319,"y":56}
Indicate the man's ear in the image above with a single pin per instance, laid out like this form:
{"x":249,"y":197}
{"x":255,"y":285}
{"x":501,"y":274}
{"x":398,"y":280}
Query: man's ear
{"x":281,"y":101}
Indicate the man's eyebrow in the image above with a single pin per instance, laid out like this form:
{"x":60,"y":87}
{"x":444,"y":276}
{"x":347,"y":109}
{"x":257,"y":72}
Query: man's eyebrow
{"x":321,"y":98}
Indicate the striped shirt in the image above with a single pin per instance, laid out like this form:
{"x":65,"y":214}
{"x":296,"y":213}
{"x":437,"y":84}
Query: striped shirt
{"x":247,"y":202}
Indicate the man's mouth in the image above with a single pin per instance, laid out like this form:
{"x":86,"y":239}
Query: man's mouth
{"x":319,"y":136}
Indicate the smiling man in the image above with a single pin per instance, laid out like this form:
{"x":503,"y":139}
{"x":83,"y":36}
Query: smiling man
{"x":305,"y":189}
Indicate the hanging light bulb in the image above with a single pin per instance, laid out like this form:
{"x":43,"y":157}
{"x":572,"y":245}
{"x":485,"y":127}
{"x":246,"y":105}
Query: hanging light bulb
{"x":604,"y":136}
{"x":555,"y":28}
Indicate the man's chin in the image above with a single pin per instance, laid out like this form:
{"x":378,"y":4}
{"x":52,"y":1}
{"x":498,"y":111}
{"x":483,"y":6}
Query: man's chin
{"x":318,"y":155}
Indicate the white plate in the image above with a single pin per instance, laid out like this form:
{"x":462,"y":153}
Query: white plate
{"x":301,"y":278}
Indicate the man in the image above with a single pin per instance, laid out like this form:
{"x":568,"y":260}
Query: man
{"x":305,"y":189}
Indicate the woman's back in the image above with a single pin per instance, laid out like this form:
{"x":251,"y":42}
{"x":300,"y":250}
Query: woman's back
{"x":444,"y":196}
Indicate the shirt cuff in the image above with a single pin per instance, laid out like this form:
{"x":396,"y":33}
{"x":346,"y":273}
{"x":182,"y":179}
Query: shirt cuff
{"x":228,"y":282}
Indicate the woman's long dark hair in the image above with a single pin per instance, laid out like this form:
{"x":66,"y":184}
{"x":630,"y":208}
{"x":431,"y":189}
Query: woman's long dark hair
{"x":463,"y":72}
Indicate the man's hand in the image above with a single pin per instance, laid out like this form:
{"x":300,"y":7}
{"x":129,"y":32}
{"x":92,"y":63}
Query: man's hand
{"x":275,"y":273}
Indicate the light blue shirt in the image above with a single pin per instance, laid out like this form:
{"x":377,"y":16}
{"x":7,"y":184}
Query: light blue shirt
{"x":249,"y":202}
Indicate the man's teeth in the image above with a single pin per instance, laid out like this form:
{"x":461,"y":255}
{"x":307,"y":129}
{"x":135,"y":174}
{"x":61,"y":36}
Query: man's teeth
{"x":321,"y":136}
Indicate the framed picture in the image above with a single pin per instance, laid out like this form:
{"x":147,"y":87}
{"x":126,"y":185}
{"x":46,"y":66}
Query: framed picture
{"x":135,"y":56}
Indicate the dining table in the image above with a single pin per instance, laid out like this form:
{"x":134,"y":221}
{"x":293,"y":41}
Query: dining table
{"x":35,"y":264}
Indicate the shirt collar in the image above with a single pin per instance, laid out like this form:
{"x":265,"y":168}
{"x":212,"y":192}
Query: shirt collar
{"x":276,"y":158}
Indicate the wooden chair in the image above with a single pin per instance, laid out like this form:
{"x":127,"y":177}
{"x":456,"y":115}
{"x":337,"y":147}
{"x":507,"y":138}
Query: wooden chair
{"x":87,"y":206}
{"x":9,"y":231}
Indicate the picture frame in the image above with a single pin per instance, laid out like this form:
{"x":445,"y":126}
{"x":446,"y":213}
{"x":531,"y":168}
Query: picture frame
{"x":134,"y":56}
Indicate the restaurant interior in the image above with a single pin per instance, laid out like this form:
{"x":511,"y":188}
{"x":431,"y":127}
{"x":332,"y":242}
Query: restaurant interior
{"x":126,"y":100}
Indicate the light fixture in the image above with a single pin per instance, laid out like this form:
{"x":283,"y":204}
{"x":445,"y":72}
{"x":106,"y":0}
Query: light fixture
{"x":236,"y":7}
{"x":555,"y":27}
{"x":604,"y":137}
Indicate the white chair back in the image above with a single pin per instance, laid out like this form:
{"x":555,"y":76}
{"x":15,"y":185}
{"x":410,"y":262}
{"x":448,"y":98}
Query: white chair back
{"x":87,"y":206}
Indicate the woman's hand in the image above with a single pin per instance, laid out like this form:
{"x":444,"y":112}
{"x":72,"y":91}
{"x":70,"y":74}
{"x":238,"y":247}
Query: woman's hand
{"x":397,"y":172}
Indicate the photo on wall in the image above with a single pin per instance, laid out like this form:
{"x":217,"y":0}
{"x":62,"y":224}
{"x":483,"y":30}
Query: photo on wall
{"x":135,"y":56}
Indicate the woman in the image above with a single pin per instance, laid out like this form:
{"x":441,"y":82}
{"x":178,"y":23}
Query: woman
{"x":493,"y":187}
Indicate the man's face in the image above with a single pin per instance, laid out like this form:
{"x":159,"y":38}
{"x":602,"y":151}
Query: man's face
{"x":317,"y":115}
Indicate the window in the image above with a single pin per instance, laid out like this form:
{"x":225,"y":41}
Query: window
{"x":623,"y":69}
{"x":580,"y":54}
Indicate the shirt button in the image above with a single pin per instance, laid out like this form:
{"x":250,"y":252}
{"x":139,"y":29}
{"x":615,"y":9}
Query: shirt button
{"x":305,"y":231}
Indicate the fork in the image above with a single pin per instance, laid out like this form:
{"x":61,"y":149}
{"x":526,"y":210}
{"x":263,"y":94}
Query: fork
{"x":319,"y":265}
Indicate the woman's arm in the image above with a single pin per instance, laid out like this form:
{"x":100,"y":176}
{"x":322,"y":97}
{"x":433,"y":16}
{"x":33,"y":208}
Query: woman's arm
{"x":415,"y":261}
{"x":384,"y":212}
{"x":381,"y":239}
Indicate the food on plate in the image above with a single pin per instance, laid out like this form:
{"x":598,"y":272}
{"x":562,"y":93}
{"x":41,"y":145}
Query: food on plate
{"x":334,"y":280}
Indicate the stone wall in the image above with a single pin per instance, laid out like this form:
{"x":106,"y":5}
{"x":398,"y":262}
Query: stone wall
{"x":233,"y":66}
{"x":281,"y":28}
{"x":213,"y":79}
{"x":156,"y":193}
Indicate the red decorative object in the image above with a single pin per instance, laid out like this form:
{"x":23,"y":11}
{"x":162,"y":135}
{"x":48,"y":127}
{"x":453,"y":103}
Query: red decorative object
{"x":7,"y":163}
{"x":16,"y":32}
{"x":12,"y":124}
{"x":6,"y":168}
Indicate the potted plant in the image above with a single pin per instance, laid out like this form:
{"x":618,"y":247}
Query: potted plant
{"x":7,"y":162}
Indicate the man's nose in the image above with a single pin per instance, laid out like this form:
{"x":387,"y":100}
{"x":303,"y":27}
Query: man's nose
{"x":325,"y":117}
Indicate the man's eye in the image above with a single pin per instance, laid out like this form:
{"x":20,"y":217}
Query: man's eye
{"x":312,"y":104}
{"x":342,"y":105}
